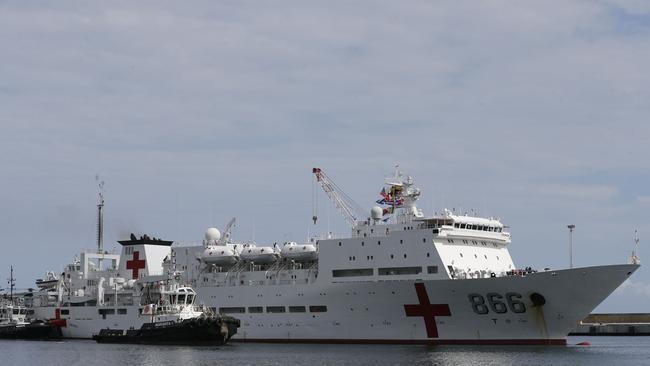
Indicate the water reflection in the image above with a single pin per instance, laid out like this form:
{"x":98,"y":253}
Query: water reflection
{"x":604,"y":351}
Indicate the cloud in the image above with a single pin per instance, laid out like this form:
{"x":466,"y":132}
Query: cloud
{"x":195,"y":114}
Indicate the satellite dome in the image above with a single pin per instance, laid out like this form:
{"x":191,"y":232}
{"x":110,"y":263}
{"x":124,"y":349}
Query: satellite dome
{"x":376,"y":213}
{"x":212,"y":234}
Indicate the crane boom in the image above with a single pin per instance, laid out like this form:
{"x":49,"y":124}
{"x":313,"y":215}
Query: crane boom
{"x":350,"y":210}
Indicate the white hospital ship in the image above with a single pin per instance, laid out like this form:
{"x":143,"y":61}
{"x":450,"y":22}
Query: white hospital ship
{"x":400,"y":277}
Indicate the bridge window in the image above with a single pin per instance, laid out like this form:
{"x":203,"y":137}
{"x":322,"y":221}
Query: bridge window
{"x":399,"y":271}
{"x":232,"y":310}
{"x":352,"y":272}
{"x":255,"y":309}
{"x":121,"y":311}
{"x":462,"y":226}
{"x":457,"y":225}
{"x":318,"y":308}
{"x":275,"y":309}
{"x":65,"y":311}
{"x":432,"y":269}
{"x":297,"y":309}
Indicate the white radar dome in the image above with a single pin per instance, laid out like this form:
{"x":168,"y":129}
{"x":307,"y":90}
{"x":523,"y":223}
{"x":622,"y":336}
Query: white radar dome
{"x":212,"y":234}
{"x":376,"y":213}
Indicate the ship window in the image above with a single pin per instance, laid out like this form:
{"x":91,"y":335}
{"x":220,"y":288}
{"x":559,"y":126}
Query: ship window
{"x":490,"y":228}
{"x":65,"y":311}
{"x":121,"y":311}
{"x":275,"y":309}
{"x":232,"y":310}
{"x":457,"y":225}
{"x":318,"y":309}
{"x":461,"y":255}
{"x":485,"y":256}
{"x":462,"y":226}
{"x":339,"y":243}
{"x":404,"y":255}
{"x":106,"y":311}
{"x":428,"y":255}
{"x":352,"y":272}
{"x":474,"y":227}
{"x":181,"y":299}
{"x":424,"y":240}
{"x":391,"y":256}
{"x":401,"y":241}
{"x":297,"y":309}
{"x":255,"y":309}
{"x":399,"y":271}
{"x":362,"y":243}
{"x":378,"y":242}
{"x":432,"y":269}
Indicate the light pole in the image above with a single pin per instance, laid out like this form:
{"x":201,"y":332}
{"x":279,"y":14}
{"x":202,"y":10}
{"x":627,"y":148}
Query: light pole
{"x":571,"y":227}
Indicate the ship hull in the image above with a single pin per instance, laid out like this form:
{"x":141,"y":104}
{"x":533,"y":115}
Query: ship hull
{"x":500,"y":310}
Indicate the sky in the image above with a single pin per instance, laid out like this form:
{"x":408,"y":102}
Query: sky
{"x":196,"y":112}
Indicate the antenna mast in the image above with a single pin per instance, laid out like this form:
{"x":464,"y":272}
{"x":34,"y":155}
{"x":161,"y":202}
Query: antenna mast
{"x":12,"y":284}
{"x":100,"y":220}
{"x":634,"y":259}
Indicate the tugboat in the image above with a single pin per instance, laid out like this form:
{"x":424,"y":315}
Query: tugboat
{"x":138,"y":293}
{"x":14,"y":323}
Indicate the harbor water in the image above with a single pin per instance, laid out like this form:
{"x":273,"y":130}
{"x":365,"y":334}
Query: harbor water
{"x":602,"y":351}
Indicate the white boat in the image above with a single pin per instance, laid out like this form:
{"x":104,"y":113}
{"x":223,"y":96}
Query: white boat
{"x":403,"y":277}
{"x":259,"y":255}
{"x":299,"y":252}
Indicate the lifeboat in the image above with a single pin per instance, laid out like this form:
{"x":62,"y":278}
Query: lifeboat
{"x":219,"y":255}
{"x":299,"y":252}
{"x":258,"y":255}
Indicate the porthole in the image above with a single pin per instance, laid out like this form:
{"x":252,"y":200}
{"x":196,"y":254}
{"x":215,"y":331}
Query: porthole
{"x":391,"y":256}
{"x":404,"y":255}
{"x":428,"y":255}
{"x":401,"y":241}
{"x":424,"y":240}
{"x":461,"y":255}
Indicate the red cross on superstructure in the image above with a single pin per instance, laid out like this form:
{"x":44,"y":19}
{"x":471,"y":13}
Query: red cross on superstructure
{"x":136,"y":264}
{"x":427,"y":310}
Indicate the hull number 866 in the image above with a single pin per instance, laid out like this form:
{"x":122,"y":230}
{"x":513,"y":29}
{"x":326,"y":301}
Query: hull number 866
{"x":497,"y":303}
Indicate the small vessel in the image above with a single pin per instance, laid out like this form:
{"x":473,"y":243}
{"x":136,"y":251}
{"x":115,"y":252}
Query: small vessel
{"x":259,"y":255}
{"x":49,"y":281}
{"x":299,"y":252}
{"x":14,"y":321}
{"x":208,"y":330}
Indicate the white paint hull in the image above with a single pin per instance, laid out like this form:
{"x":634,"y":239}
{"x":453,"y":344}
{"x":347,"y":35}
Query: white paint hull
{"x":374,"y":311}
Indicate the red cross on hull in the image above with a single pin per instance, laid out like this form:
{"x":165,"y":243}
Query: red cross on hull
{"x":136,"y":264}
{"x":427,"y":310}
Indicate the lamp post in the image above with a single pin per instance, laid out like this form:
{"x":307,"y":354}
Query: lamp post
{"x":571,"y":227}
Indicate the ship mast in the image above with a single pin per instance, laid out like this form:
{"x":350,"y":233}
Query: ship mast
{"x":12,"y":284}
{"x":100,"y":221}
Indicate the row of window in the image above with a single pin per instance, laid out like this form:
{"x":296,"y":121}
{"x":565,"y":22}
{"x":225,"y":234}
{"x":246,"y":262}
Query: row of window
{"x":461,"y":225}
{"x":272,"y":309}
{"x":388,"y":271}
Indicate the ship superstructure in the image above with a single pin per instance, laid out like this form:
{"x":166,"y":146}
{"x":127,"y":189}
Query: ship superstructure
{"x":400,"y":277}
{"x":122,"y":291}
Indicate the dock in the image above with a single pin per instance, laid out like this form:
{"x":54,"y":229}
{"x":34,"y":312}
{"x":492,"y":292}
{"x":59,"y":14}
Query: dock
{"x":631,"y":324}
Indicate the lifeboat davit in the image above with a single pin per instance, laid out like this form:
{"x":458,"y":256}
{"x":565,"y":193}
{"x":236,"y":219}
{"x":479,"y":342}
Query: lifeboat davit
{"x":219,"y":255}
{"x":299,"y":252}
{"x":259,"y":255}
